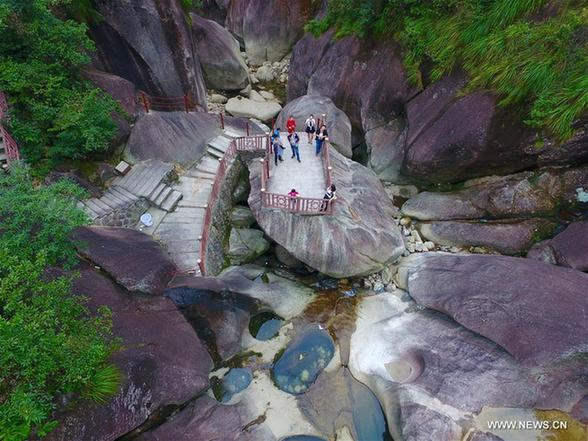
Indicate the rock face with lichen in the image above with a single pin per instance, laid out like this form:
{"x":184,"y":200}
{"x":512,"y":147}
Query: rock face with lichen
{"x":359,"y":238}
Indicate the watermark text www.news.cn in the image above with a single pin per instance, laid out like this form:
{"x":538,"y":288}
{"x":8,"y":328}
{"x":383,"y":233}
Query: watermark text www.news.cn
{"x":527,"y":425}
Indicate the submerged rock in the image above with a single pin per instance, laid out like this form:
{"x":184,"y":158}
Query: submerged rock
{"x":205,"y":419}
{"x":164,"y":364}
{"x":359,"y":238}
{"x":132,"y":258}
{"x":222,"y":63}
{"x":235,"y":381}
{"x":537,"y":312}
{"x":303,"y":360}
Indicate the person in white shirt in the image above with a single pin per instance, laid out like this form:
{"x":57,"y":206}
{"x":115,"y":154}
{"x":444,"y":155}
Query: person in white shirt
{"x":310,"y":128}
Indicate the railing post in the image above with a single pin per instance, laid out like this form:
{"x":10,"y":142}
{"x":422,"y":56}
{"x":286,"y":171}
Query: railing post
{"x":145,"y":102}
{"x":222,"y":120}
{"x":186,"y":103}
{"x":247,"y":128}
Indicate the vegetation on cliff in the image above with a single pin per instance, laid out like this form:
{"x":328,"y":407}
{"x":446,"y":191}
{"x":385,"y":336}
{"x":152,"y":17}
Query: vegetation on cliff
{"x":532,"y":53}
{"x":56,"y":113}
{"x":49,"y":342}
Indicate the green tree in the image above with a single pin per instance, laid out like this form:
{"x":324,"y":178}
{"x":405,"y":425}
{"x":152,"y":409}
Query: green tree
{"x":56,"y":113}
{"x":50,"y":344}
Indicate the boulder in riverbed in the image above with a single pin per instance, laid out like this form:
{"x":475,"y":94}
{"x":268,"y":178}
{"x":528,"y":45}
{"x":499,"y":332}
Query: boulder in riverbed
{"x":222,"y":63}
{"x":536,"y":311}
{"x":248,"y":108}
{"x":245,"y":245}
{"x":132,"y":258}
{"x":568,"y":248}
{"x":360,"y":237}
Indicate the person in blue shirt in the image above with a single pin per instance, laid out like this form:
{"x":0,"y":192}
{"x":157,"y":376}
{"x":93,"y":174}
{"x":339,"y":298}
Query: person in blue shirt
{"x":295,"y":145}
{"x":277,"y":148}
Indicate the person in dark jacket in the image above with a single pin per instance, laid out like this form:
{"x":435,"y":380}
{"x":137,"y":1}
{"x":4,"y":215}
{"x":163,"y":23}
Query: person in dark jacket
{"x":295,"y":144}
{"x":321,"y":137}
{"x":329,"y":197}
{"x":277,"y":148}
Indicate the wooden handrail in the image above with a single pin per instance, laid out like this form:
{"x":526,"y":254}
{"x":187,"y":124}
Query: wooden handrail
{"x":10,"y":145}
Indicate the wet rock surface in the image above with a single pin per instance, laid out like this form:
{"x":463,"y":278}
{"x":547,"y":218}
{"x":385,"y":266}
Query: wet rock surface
{"x":132,"y":258}
{"x":245,"y":245}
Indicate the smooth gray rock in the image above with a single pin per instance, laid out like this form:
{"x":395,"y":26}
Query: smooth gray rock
{"x":338,"y":124}
{"x":513,"y":237}
{"x":176,"y":137}
{"x":527,"y":194}
{"x":536,"y":311}
{"x":359,"y":238}
{"x":248,"y":108}
{"x":132,"y":258}
{"x":242,"y":217}
{"x":246,"y":245}
{"x":123,"y":91}
{"x":222,"y":63}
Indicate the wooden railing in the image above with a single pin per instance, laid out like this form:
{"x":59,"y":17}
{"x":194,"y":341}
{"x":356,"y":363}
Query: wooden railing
{"x":167,"y":103}
{"x":10,"y":145}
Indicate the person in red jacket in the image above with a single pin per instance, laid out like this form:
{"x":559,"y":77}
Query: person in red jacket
{"x":291,"y":125}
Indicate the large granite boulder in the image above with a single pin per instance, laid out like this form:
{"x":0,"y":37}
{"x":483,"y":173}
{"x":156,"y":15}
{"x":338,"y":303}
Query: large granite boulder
{"x":132,"y":258}
{"x":268,"y":29}
{"x":438,"y":134}
{"x":246,"y":245}
{"x":506,"y":237}
{"x":148,"y":43}
{"x":432,"y":375}
{"x":259,"y":109}
{"x":178,"y":137}
{"x":536,"y":311}
{"x":164,"y":364}
{"x":359,"y":238}
{"x":338,"y":124}
{"x":206,"y":419}
{"x":123,"y":91}
{"x":222,"y":63}
{"x":527,"y":194}
{"x":568,"y":248}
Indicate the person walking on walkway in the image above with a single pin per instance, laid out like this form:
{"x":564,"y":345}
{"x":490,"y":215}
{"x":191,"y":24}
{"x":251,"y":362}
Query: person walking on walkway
{"x":291,"y":125}
{"x":321,"y":137}
{"x":329,"y":197}
{"x":310,"y":128}
{"x":295,"y":145}
{"x":277,"y":148}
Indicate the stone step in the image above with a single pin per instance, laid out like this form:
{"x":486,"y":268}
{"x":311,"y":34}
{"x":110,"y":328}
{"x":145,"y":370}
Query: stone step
{"x":214,"y":153}
{"x":162,"y":196}
{"x":96,"y":208}
{"x":111,"y":201}
{"x":115,"y":196}
{"x":89,"y":211}
{"x":157,"y":192}
{"x":186,"y":261}
{"x":199,"y":174}
{"x":234,"y":133}
{"x":208,"y":165}
{"x":220,"y":143}
{"x":145,"y":177}
{"x":171,"y":201}
{"x":124,"y":194}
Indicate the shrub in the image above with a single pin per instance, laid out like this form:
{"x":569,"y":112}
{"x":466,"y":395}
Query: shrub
{"x":530,"y":55}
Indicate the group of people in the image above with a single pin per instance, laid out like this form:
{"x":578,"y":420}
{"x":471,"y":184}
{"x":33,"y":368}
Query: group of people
{"x":319,"y":136}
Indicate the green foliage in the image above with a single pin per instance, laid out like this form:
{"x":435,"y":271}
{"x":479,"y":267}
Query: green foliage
{"x":49,"y":342}
{"x":531,"y":53}
{"x":56,"y":113}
